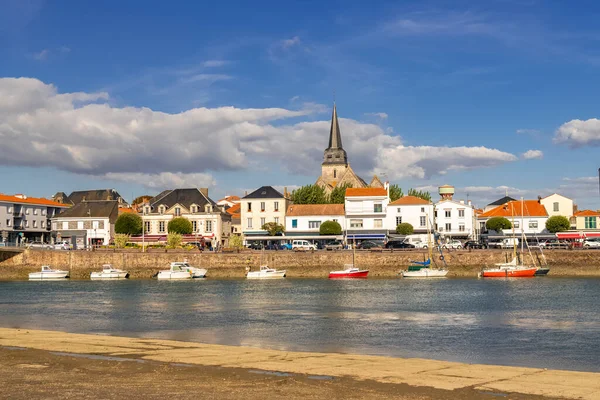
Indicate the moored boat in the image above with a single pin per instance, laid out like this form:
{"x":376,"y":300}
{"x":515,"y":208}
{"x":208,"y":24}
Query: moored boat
{"x":349,"y":272}
{"x":423,"y":270}
{"x":508,"y":271}
{"x":541,"y":271}
{"x":108,"y":272}
{"x":182,"y":270}
{"x":265,"y":273}
{"x":48,"y":273}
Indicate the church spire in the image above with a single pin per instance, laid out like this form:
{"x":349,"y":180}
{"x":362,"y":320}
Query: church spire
{"x":335,"y":136}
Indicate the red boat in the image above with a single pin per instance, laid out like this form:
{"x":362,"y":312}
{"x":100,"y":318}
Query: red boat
{"x":509,"y":270}
{"x":349,"y":273}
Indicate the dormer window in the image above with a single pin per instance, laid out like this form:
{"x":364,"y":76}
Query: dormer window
{"x":146,"y":210}
{"x":161,"y":209}
{"x":194,"y":209}
{"x":208,"y":208}
{"x":177,"y":211}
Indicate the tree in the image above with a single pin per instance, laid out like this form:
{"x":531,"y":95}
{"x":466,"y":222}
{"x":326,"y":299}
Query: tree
{"x":129,"y":224}
{"x":180,"y":225}
{"x":395,"y":192}
{"x":422,"y":194}
{"x":498,"y":224}
{"x":404,"y":229}
{"x":309,"y":194}
{"x":330,"y":228}
{"x":121,"y":240}
{"x":174,"y":239}
{"x":273,"y":228}
{"x":140,"y":199}
{"x":236,"y":242}
{"x":558,"y":223}
{"x":338,"y":194}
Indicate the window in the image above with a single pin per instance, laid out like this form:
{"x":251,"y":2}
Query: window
{"x":378,"y":207}
{"x":314,"y":224}
{"x":35,"y":210}
{"x":95,"y":224}
{"x":9,"y":210}
{"x":161,"y":226}
{"x":44,"y":212}
{"x":194,"y":209}
{"x":517,"y":224}
{"x":461,"y":213}
{"x":26,"y":223}
{"x":262,"y":206}
{"x":294,"y":223}
{"x":65,"y":225}
{"x":422,"y":221}
{"x":208,"y":226}
{"x":378,"y":223}
{"x":398,"y":220}
{"x":276,"y":206}
{"x":249,"y":222}
{"x":249,"y":207}
{"x":556,"y":206}
{"x":334,"y":174}
{"x":461,"y":227}
{"x":263,"y":221}
{"x":35,"y":224}
{"x":177,"y":211}
{"x":27,"y":211}
{"x":194,"y":226}
{"x":79,"y":225}
{"x":422,"y":209}
{"x":147,"y":226}
{"x":398,"y":211}
{"x":448,"y":213}
{"x":448,"y":227}
{"x":54,"y":226}
{"x":435,"y":213}
{"x":8,"y":222}
{"x":533,"y":224}
{"x":590,"y":222}
{"x":356,"y":223}
{"x":276,"y":220}
{"x":146,"y":210}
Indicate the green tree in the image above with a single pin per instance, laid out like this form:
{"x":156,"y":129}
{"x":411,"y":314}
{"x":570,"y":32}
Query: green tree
{"x":404,"y":229}
{"x":121,"y":240}
{"x":180,"y":225}
{"x":174,"y":240}
{"x":330,"y":228}
{"x":273,"y":228}
{"x":422,"y":194}
{"x":498,"y":224}
{"x":129,"y":224}
{"x":558,"y":223}
{"x":236,"y":242}
{"x":395,"y":192}
{"x":338,"y":194}
{"x":309,"y":194}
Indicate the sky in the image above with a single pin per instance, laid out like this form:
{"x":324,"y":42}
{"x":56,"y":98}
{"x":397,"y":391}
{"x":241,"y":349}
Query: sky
{"x":492,"y":97}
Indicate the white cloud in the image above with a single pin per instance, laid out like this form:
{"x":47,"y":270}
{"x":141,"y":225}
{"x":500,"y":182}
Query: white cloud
{"x":214,"y":63}
{"x":380,"y":115}
{"x":578,"y":133}
{"x":164,"y":180}
{"x":533,"y":155}
{"x":287,"y":43}
{"x":528,"y":132}
{"x":208,"y":78}
{"x":81,"y":133}
{"x":42,"y":55}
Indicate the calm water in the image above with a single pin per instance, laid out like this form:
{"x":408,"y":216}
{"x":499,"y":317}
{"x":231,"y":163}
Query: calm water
{"x":541,"y":322}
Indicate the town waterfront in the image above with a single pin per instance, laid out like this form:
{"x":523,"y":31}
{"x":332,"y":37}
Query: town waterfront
{"x":544,"y":323}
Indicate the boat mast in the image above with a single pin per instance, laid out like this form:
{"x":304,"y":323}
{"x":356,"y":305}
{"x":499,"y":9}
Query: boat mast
{"x":512,"y":213}
{"x":429,"y":244}
{"x":354,"y":252}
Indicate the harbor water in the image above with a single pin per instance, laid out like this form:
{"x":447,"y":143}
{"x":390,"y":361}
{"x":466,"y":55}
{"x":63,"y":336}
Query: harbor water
{"x":537,"y":322}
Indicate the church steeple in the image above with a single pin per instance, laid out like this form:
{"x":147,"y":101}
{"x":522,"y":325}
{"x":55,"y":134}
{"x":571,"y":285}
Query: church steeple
{"x":335,"y":153}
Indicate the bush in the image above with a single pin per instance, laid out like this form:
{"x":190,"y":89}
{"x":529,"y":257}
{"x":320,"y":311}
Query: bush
{"x":129,"y":224}
{"x":498,"y":224}
{"x":330,"y":228}
{"x":180,"y":225}
{"x":273,"y":228}
{"x":174,"y":240}
{"x":236,"y":242}
{"x":404,"y":229}
{"x":121,"y":240}
{"x":558,"y":223}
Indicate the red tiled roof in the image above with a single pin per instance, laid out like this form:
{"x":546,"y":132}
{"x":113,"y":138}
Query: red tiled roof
{"x":587,"y":213}
{"x":32,"y":200}
{"x":126,"y":210}
{"x":409,"y":200}
{"x":298,"y":210}
{"x":366,"y":192}
{"x":531,"y":208}
{"x":234,"y":209}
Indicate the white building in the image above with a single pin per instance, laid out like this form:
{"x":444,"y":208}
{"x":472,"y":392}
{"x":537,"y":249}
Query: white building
{"x":303,"y":221}
{"x":453,"y":219}
{"x":557,"y":204}
{"x":529,"y":216}
{"x":366,"y":210}
{"x":412,"y":210}
{"x":87,"y":223}
{"x":259,"y":207}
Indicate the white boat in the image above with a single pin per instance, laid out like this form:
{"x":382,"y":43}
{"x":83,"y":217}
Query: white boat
{"x":108,"y":272}
{"x":182,"y":270}
{"x":423,"y":269}
{"x":48,"y":273}
{"x":265,"y":273}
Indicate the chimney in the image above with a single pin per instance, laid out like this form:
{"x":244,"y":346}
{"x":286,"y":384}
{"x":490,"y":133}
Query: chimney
{"x":386,"y":186}
{"x":470,"y":203}
{"x":462,"y":202}
{"x":204,"y":191}
{"x":539,"y":199}
{"x":245,"y":193}
{"x":285,"y":192}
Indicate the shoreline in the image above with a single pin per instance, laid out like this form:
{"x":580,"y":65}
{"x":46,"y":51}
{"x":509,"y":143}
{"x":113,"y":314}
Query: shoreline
{"x":441,"y":377}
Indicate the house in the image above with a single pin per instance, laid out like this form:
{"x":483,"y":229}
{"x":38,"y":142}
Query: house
{"x":263,"y":205}
{"x":587,"y":220}
{"x":365,"y":211}
{"x":453,"y":219}
{"x":303,"y":221}
{"x":498,"y":202}
{"x":236,"y":219}
{"x":27,"y":219}
{"x":529,"y":216}
{"x":557,"y":204}
{"x":90,"y":195}
{"x":87,"y":223}
{"x":229,"y":201}
{"x":210,"y":223}
{"x":412,"y":210}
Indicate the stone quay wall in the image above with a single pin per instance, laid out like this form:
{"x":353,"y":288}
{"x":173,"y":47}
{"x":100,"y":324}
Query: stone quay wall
{"x":381,"y":264}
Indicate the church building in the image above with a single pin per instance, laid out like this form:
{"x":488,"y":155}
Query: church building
{"x":335,"y":169}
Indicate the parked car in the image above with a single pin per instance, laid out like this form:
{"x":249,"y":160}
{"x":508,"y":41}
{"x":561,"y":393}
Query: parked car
{"x":334,"y":245}
{"x":62,"y":246}
{"x":370,"y":244}
{"x":472,"y":244}
{"x":396,"y":244}
{"x":39,"y":245}
{"x":591,"y":244}
{"x":272,"y":247}
{"x":453,"y":244}
{"x":303,"y":245}
{"x":555,"y":244}
{"x":286,"y":246}
{"x":255,"y":246}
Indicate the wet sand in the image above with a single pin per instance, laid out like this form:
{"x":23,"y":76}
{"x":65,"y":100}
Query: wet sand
{"x":48,"y":364}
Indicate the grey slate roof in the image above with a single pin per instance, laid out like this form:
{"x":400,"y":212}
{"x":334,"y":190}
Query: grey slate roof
{"x":185,"y":197}
{"x":93,"y":209}
{"x":501,"y":201}
{"x":93,"y":195}
{"x":264,"y":192}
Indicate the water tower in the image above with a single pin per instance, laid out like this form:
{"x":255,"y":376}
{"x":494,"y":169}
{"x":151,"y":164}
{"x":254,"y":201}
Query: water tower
{"x":446,"y":192}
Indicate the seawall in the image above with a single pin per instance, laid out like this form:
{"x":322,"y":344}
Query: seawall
{"x":317,"y":264}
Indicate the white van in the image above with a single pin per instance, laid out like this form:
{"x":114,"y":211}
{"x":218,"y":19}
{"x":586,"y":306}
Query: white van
{"x":303,"y":245}
{"x":419,"y":241}
{"x":509,"y":243}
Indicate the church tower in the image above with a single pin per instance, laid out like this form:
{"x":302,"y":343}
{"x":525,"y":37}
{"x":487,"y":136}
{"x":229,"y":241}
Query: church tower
{"x":335,"y":159}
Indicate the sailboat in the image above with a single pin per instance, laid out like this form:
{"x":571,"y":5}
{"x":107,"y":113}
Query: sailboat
{"x":512,"y":269}
{"x":423,"y":269}
{"x":264,"y":271}
{"x":351,"y":271}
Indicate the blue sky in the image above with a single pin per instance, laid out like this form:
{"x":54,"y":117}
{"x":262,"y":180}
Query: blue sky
{"x":492,"y":97}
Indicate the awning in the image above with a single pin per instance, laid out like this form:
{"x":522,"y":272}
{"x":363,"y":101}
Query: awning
{"x":299,"y":237}
{"x":577,"y":235}
{"x":366,"y":236}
